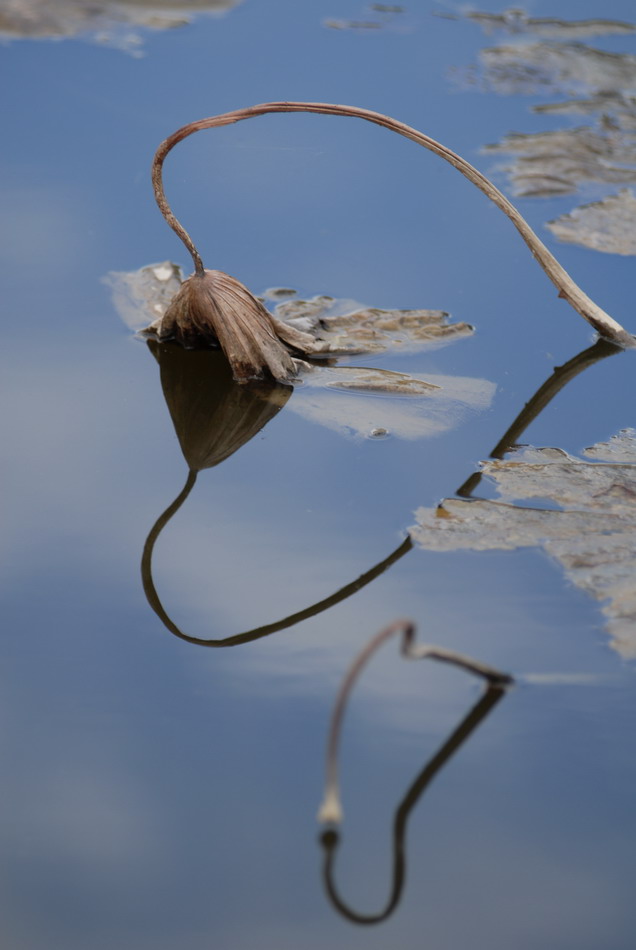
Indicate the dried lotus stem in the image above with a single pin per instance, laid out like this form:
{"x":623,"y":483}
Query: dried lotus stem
{"x":605,"y":325}
{"x":331,"y":809}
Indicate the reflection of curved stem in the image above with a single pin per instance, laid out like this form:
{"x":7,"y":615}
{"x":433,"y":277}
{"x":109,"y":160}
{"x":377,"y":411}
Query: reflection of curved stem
{"x":567,"y":288}
{"x":257,"y":632}
{"x":330,"y":839}
{"x":560,"y":377}
{"x":330,"y":809}
{"x":553,"y":385}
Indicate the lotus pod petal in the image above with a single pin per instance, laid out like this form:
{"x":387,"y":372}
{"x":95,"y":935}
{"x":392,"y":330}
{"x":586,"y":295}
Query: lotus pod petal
{"x":213,"y":307}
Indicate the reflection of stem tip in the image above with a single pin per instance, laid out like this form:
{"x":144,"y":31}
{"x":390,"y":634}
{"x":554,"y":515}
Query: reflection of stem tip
{"x":329,"y":840}
{"x":330,"y":811}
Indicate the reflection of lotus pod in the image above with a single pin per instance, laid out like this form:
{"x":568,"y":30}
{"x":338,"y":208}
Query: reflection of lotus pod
{"x":213,"y":307}
{"x":213,"y":415}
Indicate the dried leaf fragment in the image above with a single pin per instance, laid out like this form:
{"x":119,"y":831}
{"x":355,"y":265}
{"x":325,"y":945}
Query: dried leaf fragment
{"x":573,"y":68}
{"x":590,"y":533}
{"x":350,"y":327}
{"x":608,"y":225}
{"x":322,"y":326}
{"x":620,"y":448}
{"x":559,"y":162}
{"x":144,"y":294}
{"x":66,"y":18}
{"x":518,"y":21}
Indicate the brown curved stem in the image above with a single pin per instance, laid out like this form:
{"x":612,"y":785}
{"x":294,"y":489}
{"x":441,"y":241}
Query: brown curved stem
{"x":568,"y":289}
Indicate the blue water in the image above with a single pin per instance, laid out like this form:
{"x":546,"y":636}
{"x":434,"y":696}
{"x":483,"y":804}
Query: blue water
{"x":160,"y":794}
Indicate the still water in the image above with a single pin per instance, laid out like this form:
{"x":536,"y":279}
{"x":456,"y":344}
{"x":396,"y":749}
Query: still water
{"x":160,"y":792}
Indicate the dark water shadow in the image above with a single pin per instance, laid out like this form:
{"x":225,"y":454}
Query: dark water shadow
{"x":330,"y":839}
{"x":214,"y":417}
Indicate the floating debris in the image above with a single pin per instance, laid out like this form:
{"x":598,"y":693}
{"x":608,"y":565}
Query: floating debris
{"x":518,"y":21}
{"x":620,"y":448}
{"x":350,"y":327}
{"x":384,"y":15}
{"x":597,"y":83}
{"x":530,"y":68}
{"x":109,"y":22}
{"x":590,"y":533}
{"x":559,"y":162}
{"x":608,"y":225}
{"x":352,"y":25}
{"x":144,"y":295}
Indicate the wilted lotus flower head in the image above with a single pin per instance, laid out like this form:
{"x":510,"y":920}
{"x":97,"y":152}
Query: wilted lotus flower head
{"x":212,"y":307}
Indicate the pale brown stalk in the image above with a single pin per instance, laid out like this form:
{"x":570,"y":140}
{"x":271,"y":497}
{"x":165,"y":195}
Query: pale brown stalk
{"x":605,"y":325}
{"x":331,"y":809}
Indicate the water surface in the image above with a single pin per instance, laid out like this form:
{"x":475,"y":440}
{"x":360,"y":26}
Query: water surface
{"x":161,"y":793}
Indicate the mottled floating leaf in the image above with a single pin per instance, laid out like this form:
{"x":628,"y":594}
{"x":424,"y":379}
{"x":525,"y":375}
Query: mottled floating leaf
{"x":37,"y":19}
{"x":325,"y":327}
{"x":620,"y":448}
{"x":617,"y":107}
{"x":345,"y":326}
{"x":278,"y":293}
{"x":590,"y":533}
{"x":350,"y":327}
{"x":608,"y":225}
{"x":573,"y":68}
{"x":518,"y":21}
{"x":352,"y":24}
{"x":382,"y":17}
{"x":558,"y":162}
{"x":143,"y":296}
